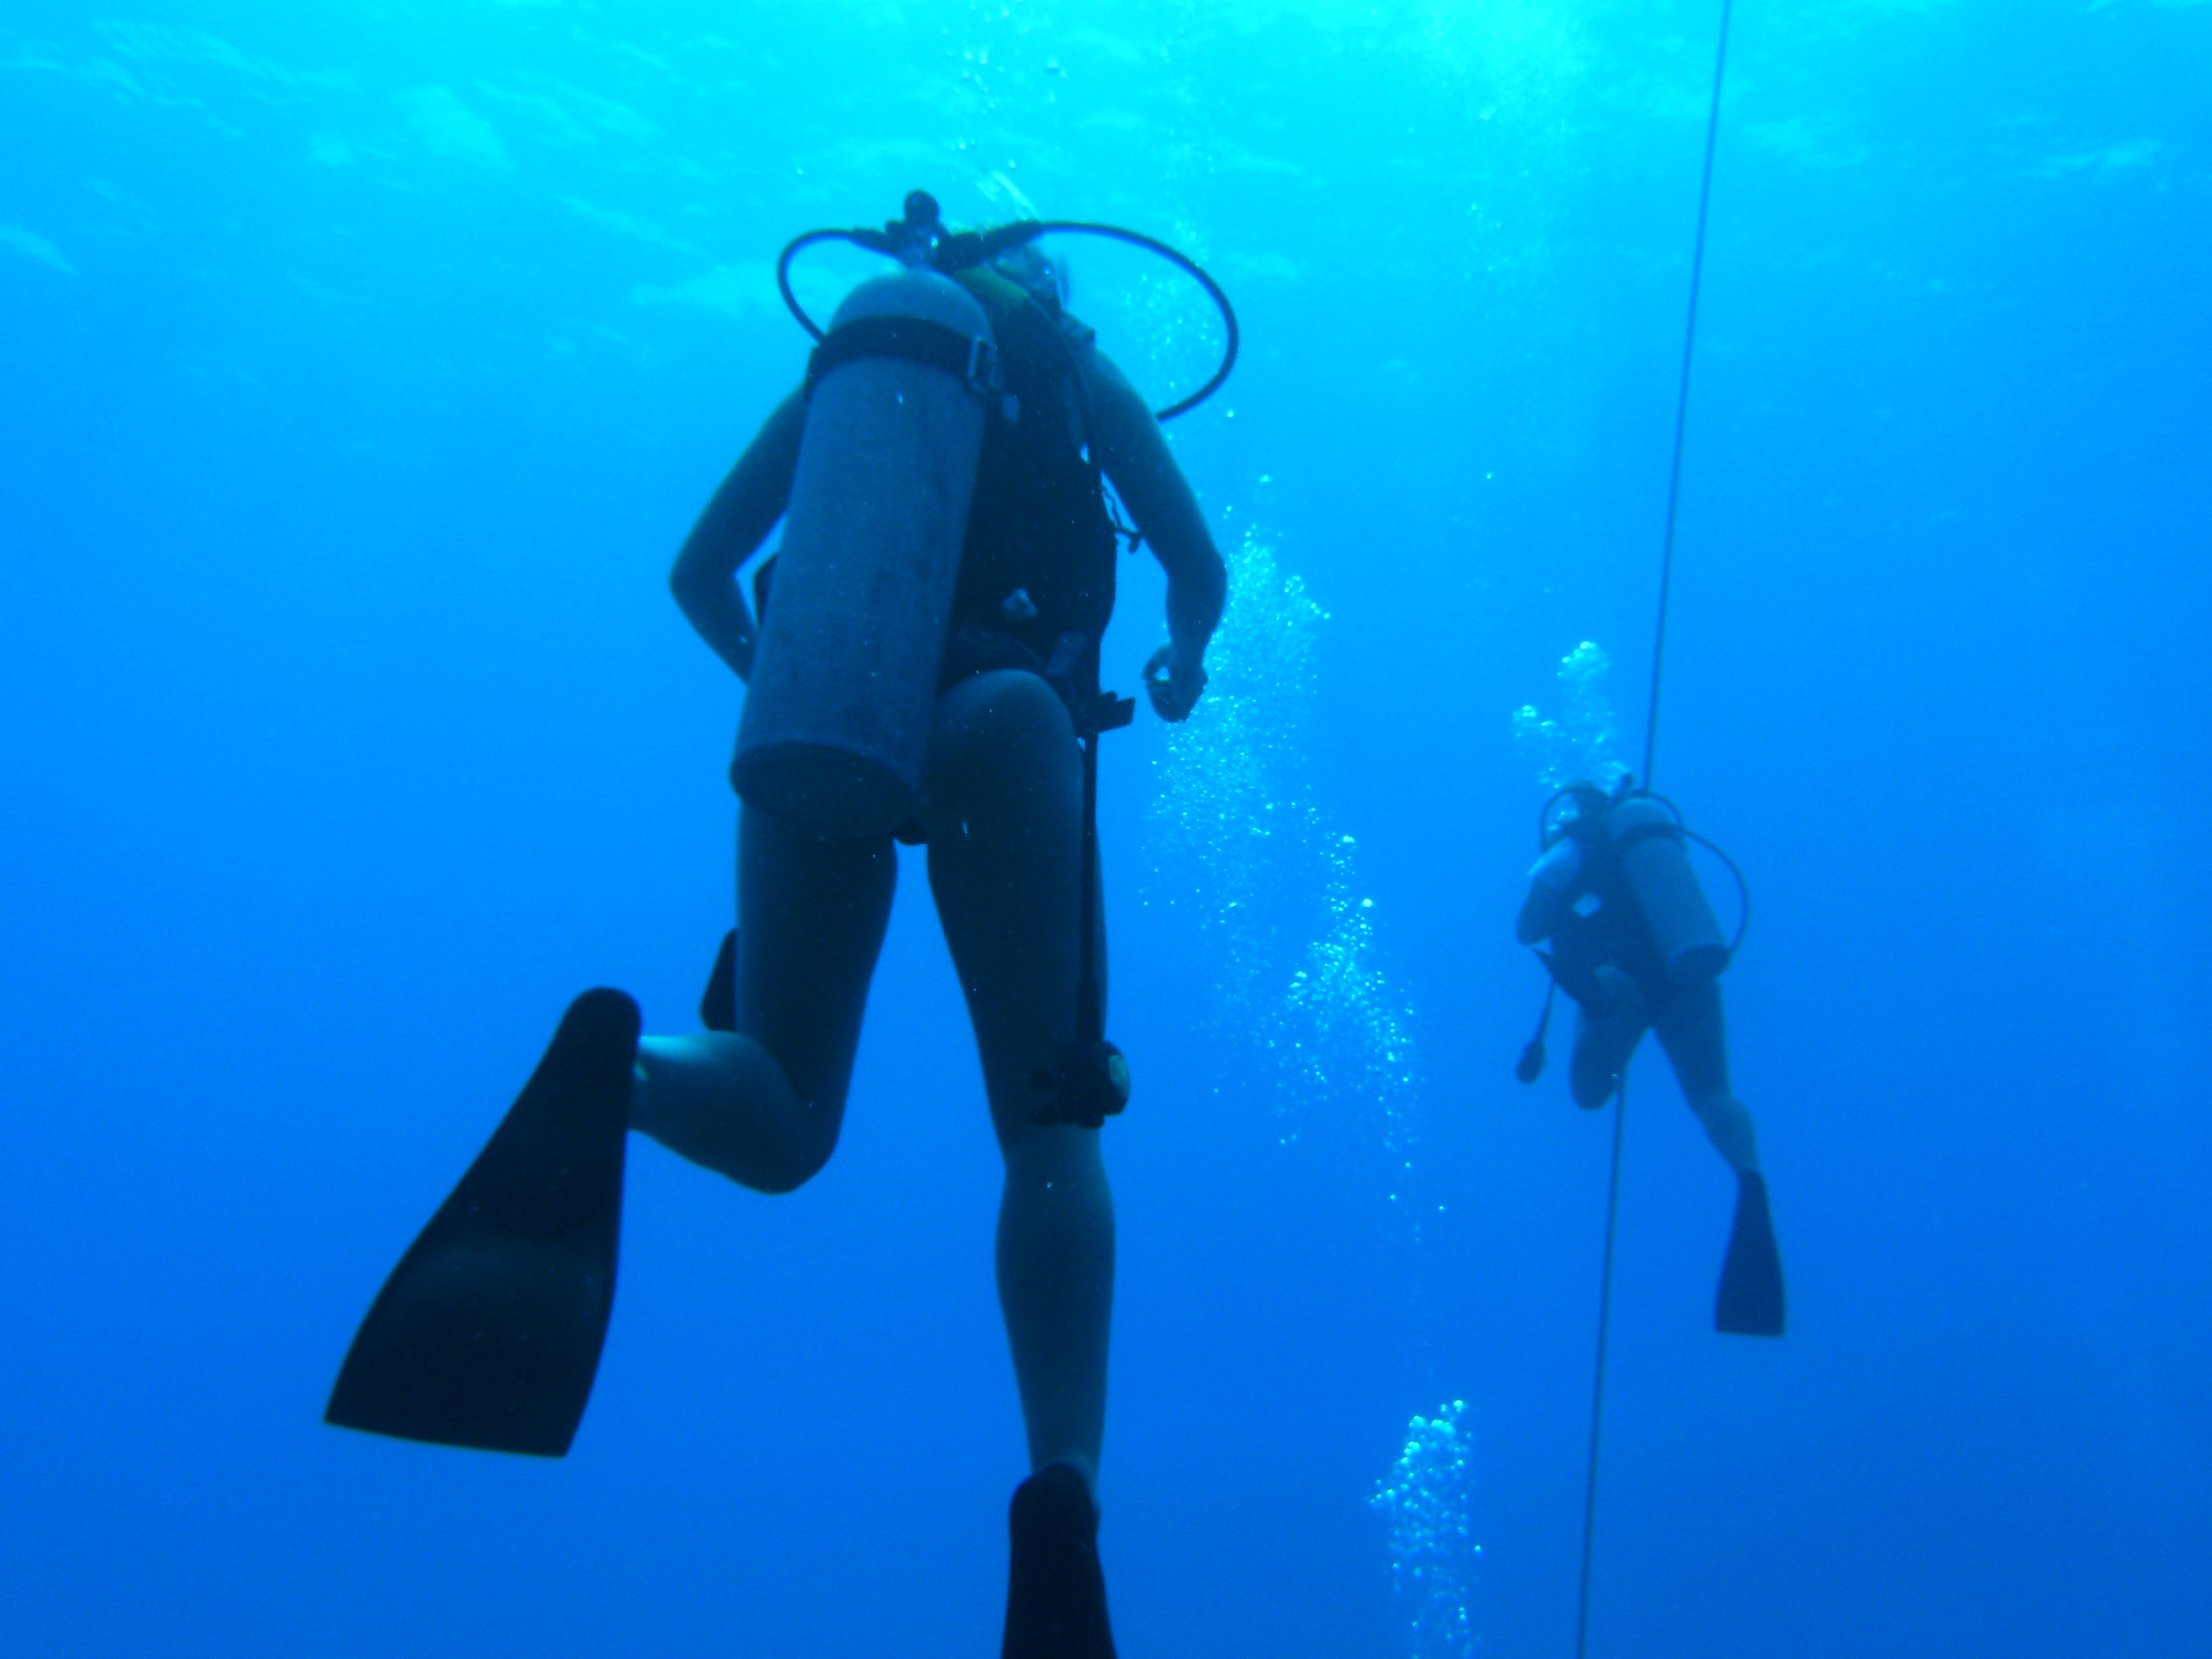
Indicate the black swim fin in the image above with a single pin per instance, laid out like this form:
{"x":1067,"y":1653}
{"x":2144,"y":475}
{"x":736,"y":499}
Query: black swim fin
{"x":1055,"y":1600}
{"x":1750,"y":1302}
{"x":717,"y":1005}
{"x":488,"y":1333}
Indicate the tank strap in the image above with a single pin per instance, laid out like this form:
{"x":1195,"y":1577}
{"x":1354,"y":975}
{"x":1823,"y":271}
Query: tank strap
{"x":967,"y":357}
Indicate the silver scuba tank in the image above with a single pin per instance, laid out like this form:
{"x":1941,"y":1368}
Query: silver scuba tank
{"x":837,"y":713}
{"x":1650,"y":845}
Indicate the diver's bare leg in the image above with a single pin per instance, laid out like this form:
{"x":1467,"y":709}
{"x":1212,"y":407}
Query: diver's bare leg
{"x":1004,"y":782}
{"x":1604,"y":1041}
{"x":763,"y":1106}
{"x":1694,"y":1034}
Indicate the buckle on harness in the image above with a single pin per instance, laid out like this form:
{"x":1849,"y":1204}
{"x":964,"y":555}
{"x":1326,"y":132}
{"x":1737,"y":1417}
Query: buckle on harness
{"x":984,"y":371}
{"x":970,"y":358}
{"x":986,"y":376}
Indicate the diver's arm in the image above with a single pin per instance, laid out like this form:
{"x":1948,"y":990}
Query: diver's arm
{"x":1552,"y":887}
{"x":1540,"y":912}
{"x":737,"y":518}
{"x":1160,"y":499}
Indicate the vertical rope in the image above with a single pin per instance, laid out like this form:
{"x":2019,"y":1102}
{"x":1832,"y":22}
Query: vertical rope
{"x":1650,"y":750}
{"x":1598,"y":1386}
{"x":1682,"y":396}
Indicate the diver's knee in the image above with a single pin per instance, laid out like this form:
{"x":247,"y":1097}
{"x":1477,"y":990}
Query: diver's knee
{"x":723,"y":1102}
{"x":793,"y":1168}
{"x":1591,"y":1090}
{"x":1722,"y":1107}
{"x":1603,"y":1045}
{"x":1727,"y":1124}
{"x":774,"y":1160}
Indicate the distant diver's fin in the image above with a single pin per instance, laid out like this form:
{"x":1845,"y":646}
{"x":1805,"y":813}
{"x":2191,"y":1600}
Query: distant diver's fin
{"x":717,"y":1007}
{"x":488,"y":1333}
{"x":1750,"y":1302}
{"x":1055,"y":1600}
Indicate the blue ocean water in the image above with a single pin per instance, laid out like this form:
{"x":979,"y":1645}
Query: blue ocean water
{"x":364,"y":364}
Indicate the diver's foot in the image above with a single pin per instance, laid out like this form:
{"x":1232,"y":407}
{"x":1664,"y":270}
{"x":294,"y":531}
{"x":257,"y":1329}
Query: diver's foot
{"x":1750,"y":1302}
{"x":488,"y":1333}
{"x":1055,"y":1601}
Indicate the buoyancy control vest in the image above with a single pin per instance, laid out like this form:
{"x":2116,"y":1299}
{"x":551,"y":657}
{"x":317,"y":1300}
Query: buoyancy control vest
{"x":1037,"y":560}
{"x":1600,"y":926}
{"x":1635,"y":905}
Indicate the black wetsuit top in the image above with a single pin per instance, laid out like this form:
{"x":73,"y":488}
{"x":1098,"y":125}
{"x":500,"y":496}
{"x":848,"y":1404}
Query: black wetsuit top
{"x":1036,"y":523}
{"x":1600,"y":926}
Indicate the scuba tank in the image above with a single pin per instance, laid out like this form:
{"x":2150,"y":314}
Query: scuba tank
{"x":1648,"y":843}
{"x":898,"y":392}
{"x":1643,"y":833}
{"x":844,"y":678}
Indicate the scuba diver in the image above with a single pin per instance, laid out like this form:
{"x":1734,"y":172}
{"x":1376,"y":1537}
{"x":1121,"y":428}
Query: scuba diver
{"x":924,"y":667}
{"x":1635,"y":943}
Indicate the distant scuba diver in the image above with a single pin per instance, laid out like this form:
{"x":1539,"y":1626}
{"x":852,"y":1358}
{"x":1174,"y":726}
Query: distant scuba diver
{"x":926,"y":667}
{"x":1635,"y":943}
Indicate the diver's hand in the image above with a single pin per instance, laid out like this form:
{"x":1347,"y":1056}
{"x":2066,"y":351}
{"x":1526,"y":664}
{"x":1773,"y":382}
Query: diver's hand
{"x":1173,"y":683}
